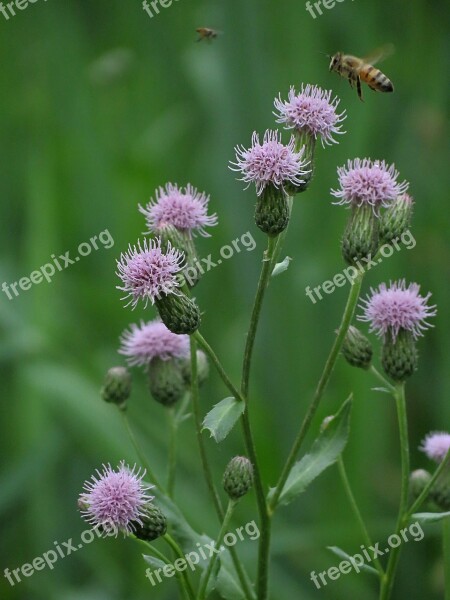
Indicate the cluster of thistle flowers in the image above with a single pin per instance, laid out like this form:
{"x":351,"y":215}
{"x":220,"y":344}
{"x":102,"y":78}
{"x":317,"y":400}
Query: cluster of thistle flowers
{"x":436,"y":446}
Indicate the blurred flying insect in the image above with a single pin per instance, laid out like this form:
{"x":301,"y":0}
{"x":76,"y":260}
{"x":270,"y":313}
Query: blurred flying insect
{"x":205,"y":33}
{"x":362,"y":69}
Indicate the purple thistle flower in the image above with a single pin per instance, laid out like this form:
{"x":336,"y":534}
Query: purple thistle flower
{"x":185,"y":209}
{"x":270,"y":162}
{"x":436,"y":445}
{"x":147,"y":271}
{"x":368,"y":182}
{"x":142,"y":343}
{"x":115,"y":500}
{"x":388,"y":310}
{"x":312,"y":111}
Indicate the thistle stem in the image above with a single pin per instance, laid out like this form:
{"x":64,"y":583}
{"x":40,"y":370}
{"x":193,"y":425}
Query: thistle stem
{"x":388,"y":580}
{"x":324,"y":379}
{"x":212,"y":562}
{"x":172,"y":463}
{"x":446,"y":542}
{"x":354,"y":505}
{"x":383,"y":379}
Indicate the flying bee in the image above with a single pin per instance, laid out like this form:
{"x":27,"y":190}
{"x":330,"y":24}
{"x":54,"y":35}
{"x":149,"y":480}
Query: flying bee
{"x":362,"y":69}
{"x":206,"y":33}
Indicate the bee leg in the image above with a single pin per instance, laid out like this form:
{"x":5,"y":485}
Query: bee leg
{"x":358,"y":87}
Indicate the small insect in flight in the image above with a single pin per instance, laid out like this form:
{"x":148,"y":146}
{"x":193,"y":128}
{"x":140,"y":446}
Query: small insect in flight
{"x":206,"y":33}
{"x":362,"y":69}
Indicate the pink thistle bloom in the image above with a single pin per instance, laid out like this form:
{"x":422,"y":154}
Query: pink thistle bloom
{"x":368,"y":182}
{"x":147,"y":272}
{"x":390,"y":309}
{"x":270,"y":162}
{"x":142,"y":343}
{"x":115,"y":500}
{"x":185,"y":209}
{"x":436,"y":445}
{"x":312,"y":111}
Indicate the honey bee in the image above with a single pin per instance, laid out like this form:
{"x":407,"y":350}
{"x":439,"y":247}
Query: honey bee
{"x":362,"y":69}
{"x":206,"y":33}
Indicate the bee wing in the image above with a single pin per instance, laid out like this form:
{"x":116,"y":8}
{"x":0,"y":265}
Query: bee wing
{"x":379,"y":54}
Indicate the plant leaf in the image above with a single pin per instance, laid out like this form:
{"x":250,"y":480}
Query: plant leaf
{"x":154,"y":562}
{"x":324,"y":452}
{"x":430,"y":517}
{"x":342,"y":554}
{"x":222,"y":418}
{"x":281,"y":267}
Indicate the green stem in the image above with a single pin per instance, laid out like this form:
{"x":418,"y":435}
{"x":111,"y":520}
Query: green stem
{"x":388,"y":581}
{"x":198,"y":427}
{"x":139,"y":451}
{"x":325,"y":377}
{"x":446,"y":541}
{"x":354,"y":505}
{"x":212,"y":562}
{"x":426,"y":490}
{"x":383,"y":379}
{"x":172,"y":463}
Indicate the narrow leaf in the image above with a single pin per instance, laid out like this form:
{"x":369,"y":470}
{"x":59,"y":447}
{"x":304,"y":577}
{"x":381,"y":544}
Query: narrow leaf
{"x":342,"y":554}
{"x":223,"y":417}
{"x":281,"y":266}
{"x":430,"y":517}
{"x":154,"y":562}
{"x":324,"y":452}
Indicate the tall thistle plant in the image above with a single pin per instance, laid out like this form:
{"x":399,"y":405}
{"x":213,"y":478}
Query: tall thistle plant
{"x":175,"y":357}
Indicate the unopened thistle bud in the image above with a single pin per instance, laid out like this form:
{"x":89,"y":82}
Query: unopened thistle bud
{"x":202,"y":368}
{"x":396,"y":219}
{"x":238,"y":477}
{"x":154,"y":524}
{"x":166,"y":381}
{"x":179,"y":313}
{"x":117,"y":386}
{"x":399,"y":356}
{"x":357,"y":349}
{"x":440,"y":493}
{"x":418,"y":480}
{"x":272,"y":211}
{"x":361,"y":236}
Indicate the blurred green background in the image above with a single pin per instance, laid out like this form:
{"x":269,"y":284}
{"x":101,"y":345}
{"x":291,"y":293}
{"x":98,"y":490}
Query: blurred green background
{"x":100,"y":105}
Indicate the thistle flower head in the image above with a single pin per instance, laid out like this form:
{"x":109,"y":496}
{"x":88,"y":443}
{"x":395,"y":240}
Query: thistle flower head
{"x":146,"y":341}
{"x":312,"y":111}
{"x":436,"y":445}
{"x":147,"y":271}
{"x":397,"y":307}
{"x":186,"y":209}
{"x":115,"y":500}
{"x":368,"y":182}
{"x":270,"y":162}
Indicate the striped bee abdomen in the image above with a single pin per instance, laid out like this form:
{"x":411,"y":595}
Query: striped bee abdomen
{"x":376,"y":79}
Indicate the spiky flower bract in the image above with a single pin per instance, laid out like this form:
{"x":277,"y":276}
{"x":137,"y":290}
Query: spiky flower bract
{"x":144,"y":342}
{"x":367,"y":182}
{"x":436,"y":445}
{"x":186,"y":209}
{"x":270,"y":162}
{"x":148,"y":272}
{"x":397,"y":307}
{"x":312,"y":111}
{"x":115,"y":500}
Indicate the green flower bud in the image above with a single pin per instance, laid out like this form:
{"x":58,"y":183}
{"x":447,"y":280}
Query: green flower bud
{"x":166,"y":381}
{"x":272,"y":210}
{"x":399,"y":357}
{"x":357,"y":349}
{"x":238,"y":477}
{"x":440,"y":493}
{"x":179,"y":313}
{"x":361,"y":237}
{"x":396,"y":219}
{"x":418,"y":480}
{"x":202,"y":368}
{"x":154,"y":524}
{"x":117,"y":386}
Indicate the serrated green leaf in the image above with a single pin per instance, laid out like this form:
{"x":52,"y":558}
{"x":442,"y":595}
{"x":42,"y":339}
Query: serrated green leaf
{"x":324,"y":452}
{"x":342,"y":554}
{"x":281,"y":266}
{"x":223,"y":417}
{"x":429,"y":517}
